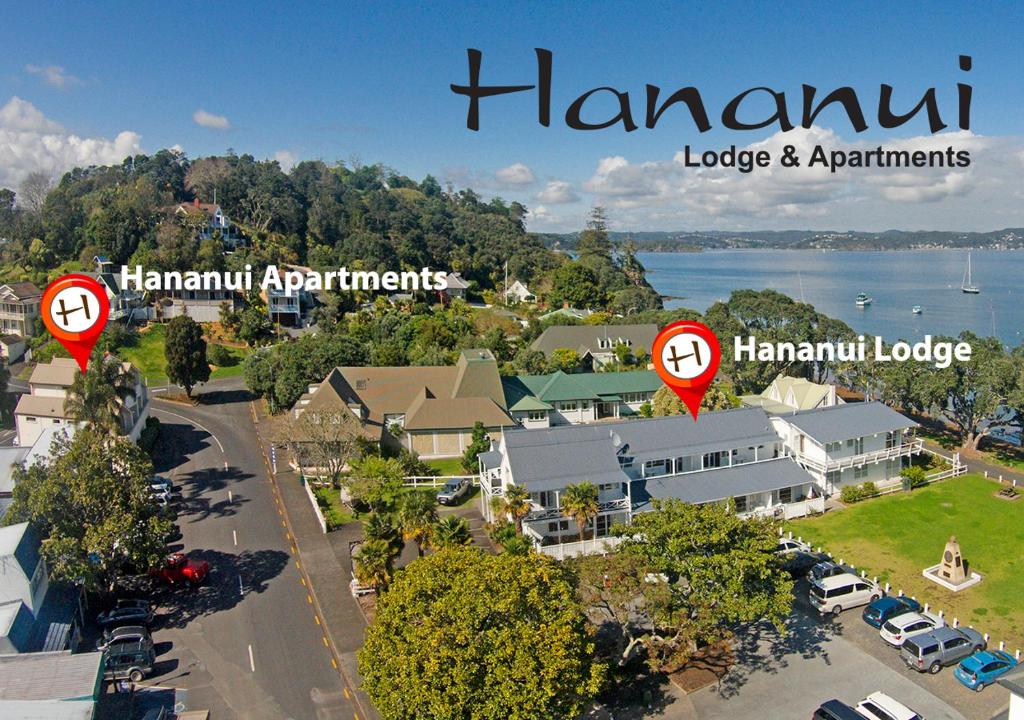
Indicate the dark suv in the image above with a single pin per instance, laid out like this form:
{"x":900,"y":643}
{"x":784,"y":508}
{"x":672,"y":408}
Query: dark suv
{"x":836,"y":710}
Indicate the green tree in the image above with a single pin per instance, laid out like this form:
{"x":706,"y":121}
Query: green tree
{"x":576,"y":285}
{"x":417,"y":513}
{"x":185,"y":350}
{"x":565,"y":359}
{"x":98,"y":395}
{"x":513,"y":503}
{"x":375,"y":481}
{"x":665,"y":402}
{"x":720,"y":569}
{"x":464,"y":634}
{"x":450,"y":531}
{"x":91,"y":504}
{"x":382,"y":526}
{"x":594,"y":239}
{"x":372,"y":563}
{"x":480,"y":443}
{"x":580,"y":502}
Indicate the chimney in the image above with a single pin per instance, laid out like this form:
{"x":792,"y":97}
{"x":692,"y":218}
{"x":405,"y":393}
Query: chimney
{"x":196,"y":202}
{"x":565,"y":304}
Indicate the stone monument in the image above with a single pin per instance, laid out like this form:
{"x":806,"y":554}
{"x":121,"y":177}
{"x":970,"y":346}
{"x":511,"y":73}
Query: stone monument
{"x":952,"y":573}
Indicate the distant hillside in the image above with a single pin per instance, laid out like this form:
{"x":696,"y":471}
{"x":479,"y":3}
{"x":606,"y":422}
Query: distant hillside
{"x":687,"y":241}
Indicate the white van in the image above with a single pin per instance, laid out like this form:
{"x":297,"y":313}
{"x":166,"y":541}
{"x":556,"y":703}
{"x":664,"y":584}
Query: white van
{"x":840,"y":592}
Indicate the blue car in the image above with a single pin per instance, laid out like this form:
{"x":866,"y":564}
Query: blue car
{"x":885,"y":608}
{"x":984,"y":668}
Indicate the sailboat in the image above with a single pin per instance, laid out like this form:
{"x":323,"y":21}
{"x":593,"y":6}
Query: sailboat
{"x":967,"y":285}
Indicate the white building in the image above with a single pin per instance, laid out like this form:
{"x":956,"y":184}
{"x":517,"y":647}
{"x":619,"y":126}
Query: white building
{"x":849,"y":444}
{"x":730,"y":455}
{"x":517,"y":292}
{"x":43,"y":406}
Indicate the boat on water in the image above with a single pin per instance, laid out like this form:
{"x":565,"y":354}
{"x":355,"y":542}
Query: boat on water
{"x":968,"y":286}
{"x":917,"y":310}
{"x":863,"y":300}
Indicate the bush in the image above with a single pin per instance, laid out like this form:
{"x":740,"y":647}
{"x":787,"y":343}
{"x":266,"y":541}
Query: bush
{"x":332,"y":516}
{"x":149,"y":435}
{"x":917,"y":475}
{"x":855,"y":493}
{"x":220,"y":356}
{"x":502,"y":532}
{"x":869,"y":489}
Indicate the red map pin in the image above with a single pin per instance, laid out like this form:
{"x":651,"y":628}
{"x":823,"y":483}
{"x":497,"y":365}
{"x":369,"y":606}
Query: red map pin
{"x":75,"y":310}
{"x":686,"y":355}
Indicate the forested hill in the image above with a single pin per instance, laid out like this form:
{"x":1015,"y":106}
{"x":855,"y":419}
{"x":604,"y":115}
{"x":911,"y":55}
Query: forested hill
{"x":688,"y":241}
{"x":318,"y":214}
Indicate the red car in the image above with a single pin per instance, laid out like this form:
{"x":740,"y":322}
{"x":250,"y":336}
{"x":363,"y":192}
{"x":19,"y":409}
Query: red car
{"x":179,"y":569}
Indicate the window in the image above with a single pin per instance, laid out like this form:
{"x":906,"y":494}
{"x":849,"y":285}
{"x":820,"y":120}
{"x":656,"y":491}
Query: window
{"x":716,"y":459}
{"x":833,"y":447}
{"x":741,"y":503}
{"x":610,"y":486}
{"x":892,"y":439}
{"x":688,"y":463}
{"x":571,"y":405}
{"x":786,"y":495}
{"x":559,"y":526}
{"x":833,"y":476}
{"x":856,"y":445}
{"x":30,"y":419}
{"x":859,"y":473}
{"x":545,"y":498}
{"x":654,"y":468}
{"x":537,"y":415}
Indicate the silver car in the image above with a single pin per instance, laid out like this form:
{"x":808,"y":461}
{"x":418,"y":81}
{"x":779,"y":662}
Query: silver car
{"x":453,"y":491}
{"x":942,"y":646}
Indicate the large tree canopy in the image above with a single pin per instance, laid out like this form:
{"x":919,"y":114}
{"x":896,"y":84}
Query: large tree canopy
{"x":463,"y":634}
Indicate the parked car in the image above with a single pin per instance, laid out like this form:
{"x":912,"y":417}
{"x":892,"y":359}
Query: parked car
{"x":888,"y":607}
{"x":836,"y":710}
{"x":129,"y":661}
{"x":163,"y":482}
{"x":879,"y":706}
{"x":127,"y":612}
{"x":899,"y":628}
{"x":983,"y":668}
{"x":842,"y":592}
{"x":160,"y":491}
{"x":123,"y":634}
{"x":179,"y":569}
{"x":453,"y":491}
{"x":942,"y":646}
{"x":827,"y":569}
{"x":788,"y":545}
{"x":799,"y":563}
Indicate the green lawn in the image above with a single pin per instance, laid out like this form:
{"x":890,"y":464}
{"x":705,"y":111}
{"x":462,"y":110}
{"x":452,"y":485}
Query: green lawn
{"x":147,"y":354}
{"x":897,"y":536}
{"x":447,"y":466}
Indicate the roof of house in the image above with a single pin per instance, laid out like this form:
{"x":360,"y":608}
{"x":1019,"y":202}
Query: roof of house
{"x":40,"y":406}
{"x":9,"y":458}
{"x":850,"y":420}
{"x":21,"y":290}
{"x":589,"y":338}
{"x":429,"y":397}
{"x":786,"y":394}
{"x":456,"y":281}
{"x":47,"y":709}
{"x":208,"y":208}
{"x":723,"y":483}
{"x":559,"y":386}
{"x":59,"y":371}
{"x":21,"y":542}
{"x":111,"y":280}
{"x":568,"y":312}
{"x":546,"y":458}
{"x":11,"y":339}
{"x":50,"y":676}
{"x":1014,"y":682}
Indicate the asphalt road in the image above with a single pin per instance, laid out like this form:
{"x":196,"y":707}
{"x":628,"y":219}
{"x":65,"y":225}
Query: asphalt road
{"x":246,"y":645}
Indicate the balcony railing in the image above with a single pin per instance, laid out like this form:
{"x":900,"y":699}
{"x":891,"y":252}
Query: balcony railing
{"x":911,"y":447}
{"x":606,"y":507}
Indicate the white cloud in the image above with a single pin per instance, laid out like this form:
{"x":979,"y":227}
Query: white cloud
{"x":30,"y":142}
{"x":557,"y":192}
{"x":209,"y":120}
{"x":53,"y":75}
{"x":516,"y":174}
{"x":668,"y":195}
{"x":286,"y":159}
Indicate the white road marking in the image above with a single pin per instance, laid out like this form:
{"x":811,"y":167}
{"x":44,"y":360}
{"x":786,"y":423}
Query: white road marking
{"x":252,"y":663}
{"x":225,"y":464}
{"x":234,"y":535}
{"x":192,"y":422}
{"x":230,"y":498}
{"x":240,"y":590}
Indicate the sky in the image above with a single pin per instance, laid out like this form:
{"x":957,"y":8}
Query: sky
{"x":87,"y":83}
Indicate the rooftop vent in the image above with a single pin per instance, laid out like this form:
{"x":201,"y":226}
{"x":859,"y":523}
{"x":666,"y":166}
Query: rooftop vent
{"x":360,"y":384}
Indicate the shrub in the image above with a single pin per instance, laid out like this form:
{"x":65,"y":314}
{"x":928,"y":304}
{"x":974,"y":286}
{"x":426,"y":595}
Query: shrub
{"x":502,"y":532}
{"x":917,"y":475}
{"x":220,"y":356}
{"x":851,"y":494}
{"x":332,"y":516}
{"x":869,"y":489}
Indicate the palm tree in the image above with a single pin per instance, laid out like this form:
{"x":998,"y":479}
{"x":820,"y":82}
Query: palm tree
{"x":416,"y":516}
{"x":381,"y":526}
{"x":97,"y":396}
{"x":515,"y":502}
{"x":580,"y":502}
{"x":372,"y":566}
{"x":450,"y":531}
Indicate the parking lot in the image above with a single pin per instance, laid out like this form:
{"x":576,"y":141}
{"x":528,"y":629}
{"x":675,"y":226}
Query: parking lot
{"x":822,"y":658}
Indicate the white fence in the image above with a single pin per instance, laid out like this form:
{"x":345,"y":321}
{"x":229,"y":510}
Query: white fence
{"x":560,"y":551}
{"x":316,"y":506}
{"x":436,"y":480}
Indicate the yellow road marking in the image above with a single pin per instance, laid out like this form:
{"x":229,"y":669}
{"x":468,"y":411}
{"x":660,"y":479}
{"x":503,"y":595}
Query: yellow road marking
{"x":317,"y":618}
{"x":324,"y":638}
{"x":309,"y":598}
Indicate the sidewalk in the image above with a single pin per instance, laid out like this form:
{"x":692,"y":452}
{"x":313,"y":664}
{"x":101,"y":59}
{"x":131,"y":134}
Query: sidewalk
{"x":328,"y":576}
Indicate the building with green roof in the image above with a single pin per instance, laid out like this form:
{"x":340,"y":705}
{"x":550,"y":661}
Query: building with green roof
{"x":539,"y":401}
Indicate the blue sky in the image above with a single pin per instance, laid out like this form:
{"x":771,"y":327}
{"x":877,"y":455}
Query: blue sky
{"x":341,"y":80}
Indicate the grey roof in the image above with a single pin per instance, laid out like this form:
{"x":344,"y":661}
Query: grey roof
{"x":723,"y":483}
{"x":551,"y":458}
{"x":1014,"y":682}
{"x":23,"y":543}
{"x":850,"y":420}
{"x":50,"y":676}
{"x":9,"y":457}
{"x":585,"y":338}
